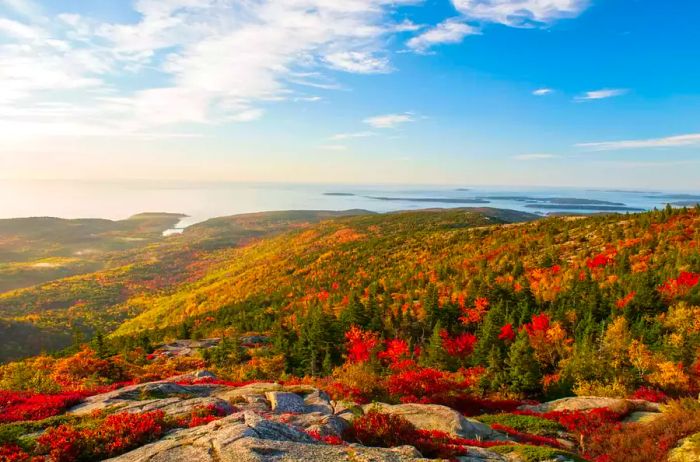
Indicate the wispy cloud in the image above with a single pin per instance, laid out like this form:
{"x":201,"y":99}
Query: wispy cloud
{"x":543,"y":92}
{"x":389,"y":120}
{"x":667,"y":142}
{"x":450,"y":31}
{"x":347,"y":136}
{"x":221,"y":59}
{"x":359,"y":62}
{"x":601,"y":94}
{"x":513,"y":13}
{"x":536,"y":156}
{"x":520,"y":13}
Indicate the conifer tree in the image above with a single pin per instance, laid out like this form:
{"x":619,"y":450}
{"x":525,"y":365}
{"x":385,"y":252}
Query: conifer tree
{"x":524,"y":374}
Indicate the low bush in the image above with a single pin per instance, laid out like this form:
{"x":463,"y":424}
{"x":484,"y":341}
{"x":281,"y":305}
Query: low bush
{"x":386,"y":430}
{"x":650,"y":441}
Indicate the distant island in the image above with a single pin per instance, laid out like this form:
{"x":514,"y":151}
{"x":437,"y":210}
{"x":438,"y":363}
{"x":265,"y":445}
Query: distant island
{"x":338,"y":194}
{"x":553,"y":200}
{"x":599,"y":208}
{"x":676,"y":196}
{"x":430,"y":199}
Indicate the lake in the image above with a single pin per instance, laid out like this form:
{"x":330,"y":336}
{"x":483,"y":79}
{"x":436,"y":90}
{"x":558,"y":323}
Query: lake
{"x":200,"y":201}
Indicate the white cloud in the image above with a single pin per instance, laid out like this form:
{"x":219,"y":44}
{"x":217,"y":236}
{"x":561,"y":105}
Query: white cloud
{"x":346,"y":136}
{"x":197,"y":61}
{"x":389,"y":120}
{"x":601,"y":94}
{"x":358,"y":62}
{"x":449,"y":31}
{"x":520,"y":13}
{"x":537,"y":156}
{"x":543,"y":92}
{"x":668,"y":142}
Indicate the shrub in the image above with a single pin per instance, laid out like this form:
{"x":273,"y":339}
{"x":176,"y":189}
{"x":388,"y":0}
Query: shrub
{"x":381,"y":430}
{"x":385,"y":430}
{"x":358,"y":380}
{"x":650,"y":394}
{"x":650,"y":441}
{"x":114,"y":435}
{"x":18,"y":406}
{"x":200,"y":415}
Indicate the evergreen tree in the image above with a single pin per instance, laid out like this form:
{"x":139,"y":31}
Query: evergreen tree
{"x":354,"y":314}
{"x":434,"y":354}
{"x":524,"y":374}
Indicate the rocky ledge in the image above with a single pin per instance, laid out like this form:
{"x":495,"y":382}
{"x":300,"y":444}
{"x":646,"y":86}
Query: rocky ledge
{"x":272,"y":422}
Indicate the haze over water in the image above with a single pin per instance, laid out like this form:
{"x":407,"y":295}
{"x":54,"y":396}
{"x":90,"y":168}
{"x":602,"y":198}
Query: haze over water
{"x":200,"y":201}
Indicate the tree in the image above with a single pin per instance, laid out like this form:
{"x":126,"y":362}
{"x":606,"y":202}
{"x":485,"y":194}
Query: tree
{"x":434,"y":354}
{"x":524,"y":374}
{"x":354,"y":314}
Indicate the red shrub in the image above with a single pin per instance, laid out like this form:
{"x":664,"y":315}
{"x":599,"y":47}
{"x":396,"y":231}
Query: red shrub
{"x":381,"y":430}
{"x":539,"y":324}
{"x":507,"y":333}
{"x":460,"y":346}
{"x":650,"y":394}
{"x":395,"y":351}
{"x":623,"y":302}
{"x":416,"y":384}
{"x":115,"y":435}
{"x":360,"y":344}
{"x":386,"y":430}
{"x":328,"y":439}
{"x":14,"y":453}
{"x":201,"y":415}
{"x":18,"y":406}
{"x":680,"y":286}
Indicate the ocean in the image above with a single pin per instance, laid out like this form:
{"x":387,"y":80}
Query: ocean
{"x":201,"y":200}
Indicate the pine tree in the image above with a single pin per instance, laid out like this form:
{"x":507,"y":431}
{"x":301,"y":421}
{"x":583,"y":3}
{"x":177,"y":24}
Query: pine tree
{"x":434,"y":354}
{"x":354,"y":314}
{"x":524,"y":374}
{"x":431,"y":305}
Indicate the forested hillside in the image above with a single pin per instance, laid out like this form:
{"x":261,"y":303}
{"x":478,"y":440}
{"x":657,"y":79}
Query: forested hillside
{"x":132,"y":257}
{"x":460,"y":285}
{"x":478,"y":310}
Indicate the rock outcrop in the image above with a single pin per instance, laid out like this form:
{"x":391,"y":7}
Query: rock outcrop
{"x":270,"y":422}
{"x":585,"y":403}
{"x":443,"y":418}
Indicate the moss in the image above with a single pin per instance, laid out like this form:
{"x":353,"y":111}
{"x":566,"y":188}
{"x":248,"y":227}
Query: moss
{"x":523,"y":423}
{"x":16,"y":432}
{"x":537,"y":453}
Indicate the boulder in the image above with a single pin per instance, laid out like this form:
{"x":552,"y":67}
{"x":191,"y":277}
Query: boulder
{"x":585,"y":403}
{"x":282,"y":402}
{"x":243,"y":437}
{"x":318,"y":401}
{"x":170,"y":397}
{"x":229,"y":393}
{"x":443,"y":418}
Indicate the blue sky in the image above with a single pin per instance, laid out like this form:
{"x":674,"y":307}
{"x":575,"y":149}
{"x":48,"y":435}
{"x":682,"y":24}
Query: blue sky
{"x":521,"y":92}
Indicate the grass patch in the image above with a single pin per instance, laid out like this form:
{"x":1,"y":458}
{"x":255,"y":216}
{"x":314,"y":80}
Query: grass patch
{"x":523,"y":423}
{"x":538,"y":453}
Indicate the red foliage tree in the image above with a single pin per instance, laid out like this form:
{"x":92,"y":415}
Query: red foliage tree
{"x":360,"y":344}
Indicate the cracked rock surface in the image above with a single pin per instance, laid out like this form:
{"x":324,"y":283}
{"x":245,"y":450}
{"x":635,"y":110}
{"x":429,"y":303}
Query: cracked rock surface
{"x":270,"y":422}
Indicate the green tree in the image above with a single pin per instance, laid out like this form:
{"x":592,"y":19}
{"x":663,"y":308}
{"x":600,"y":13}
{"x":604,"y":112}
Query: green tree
{"x":524,"y":374}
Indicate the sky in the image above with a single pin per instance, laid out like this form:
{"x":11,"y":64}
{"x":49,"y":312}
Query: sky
{"x":470,"y":92}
